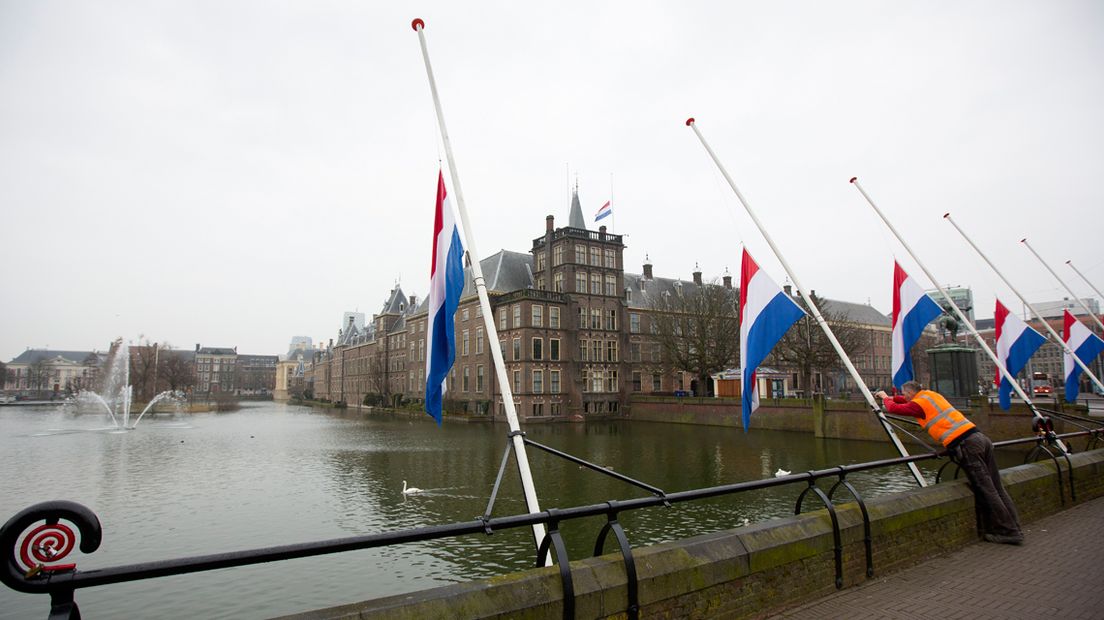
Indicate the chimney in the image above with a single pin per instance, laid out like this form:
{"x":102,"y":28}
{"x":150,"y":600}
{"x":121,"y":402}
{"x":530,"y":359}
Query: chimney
{"x":548,"y":223}
{"x":602,"y":231}
{"x":727,"y":281}
{"x":197,"y":347}
{"x":647,"y":268}
{"x":697,"y":275}
{"x":789,"y":291}
{"x":413,"y":301}
{"x":330,"y":346}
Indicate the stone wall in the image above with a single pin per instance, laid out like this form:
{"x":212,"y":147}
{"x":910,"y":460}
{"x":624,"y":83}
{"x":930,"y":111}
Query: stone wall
{"x":753,"y":570}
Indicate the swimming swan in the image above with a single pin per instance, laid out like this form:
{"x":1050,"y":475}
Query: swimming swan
{"x":411,"y":490}
{"x":781,"y":472}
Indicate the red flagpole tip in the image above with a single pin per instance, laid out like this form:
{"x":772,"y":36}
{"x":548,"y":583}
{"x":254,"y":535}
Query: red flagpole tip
{"x":853,"y":179}
{"x":417,"y":22}
{"x":690,"y":121}
{"x":1024,"y":240}
{"x":946,"y":215}
{"x":1068,"y":262}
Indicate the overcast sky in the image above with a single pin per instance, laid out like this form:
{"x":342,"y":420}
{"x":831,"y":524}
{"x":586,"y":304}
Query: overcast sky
{"x":237,"y":173}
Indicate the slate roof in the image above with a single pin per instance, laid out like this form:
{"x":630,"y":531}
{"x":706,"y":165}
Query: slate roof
{"x":857,"y":313}
{"x":32,"y":356}
{"x":503,"y":271}
{"x":576,"y":220}
{"x":217,"y":351}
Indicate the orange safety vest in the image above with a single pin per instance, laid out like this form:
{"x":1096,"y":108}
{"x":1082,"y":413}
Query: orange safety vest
{"x":942,"y":421}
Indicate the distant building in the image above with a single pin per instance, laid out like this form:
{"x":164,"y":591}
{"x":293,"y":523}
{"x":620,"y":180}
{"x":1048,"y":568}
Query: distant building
{"x":256,"y":374}
{"x":962,"y":296}
{"x":1054,"y":309}
{"x":55,"y":372}
{"x":357,"y":319}
{"x":215,"y":369}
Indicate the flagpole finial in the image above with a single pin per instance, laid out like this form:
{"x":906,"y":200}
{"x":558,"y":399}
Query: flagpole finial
{"x":1024,"y":240}
{"x":853,"y":179}
{"x":690,"y":121}
{"x":417,"y":23}
{"x":947,"y":215}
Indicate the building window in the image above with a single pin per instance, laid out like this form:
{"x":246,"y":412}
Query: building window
{"x":540,"y":261}
{"x":538,"y":349}
{"x":554,"y":349}
{"x":479,"y":378}
{"x":596,"y":318}
{"x":464,"y":315}
{"x":597,"y":380}
{"x":538,"y":315}
{"x":582,"y":322}
{"x":611,"y":320}
{"x":580,"y":254}
{"x":421,"y":349}
{"x":580,"y":282}
{"x":517,"y":349}
{"x":611,"y":285}
{"x":634,"y":351}
{"x":478,"y":341}
{"x":656,"y":384}
{"x":502,"y":318}
{"x":586,"y":384}
{"x":465,"y":383}
{"x":611,"y":258}
{"x":517,"y":382}
{"x":595,"y":350}
{"x":554,"y":317}
{"x":478,"y":310}
{"x":634,"y":323}
{"x":538,"y":381}
{"x":582,"y":350}
{"x":540,"y":284}
{"x":464,"y":340}
{"x":611,"y":350}
{"x":611,"y":381}
{"x":557,"y":282}
{"x":517,"y":316}
{"x":596,"y":256}
{"x":636,"y":381}
{"x":557,"y":254}
{"x":595,"y":284}
{"x":538,"y":410}
{"x":554,"y":381}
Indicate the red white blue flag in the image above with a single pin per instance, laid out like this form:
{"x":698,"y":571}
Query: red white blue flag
{"x":1016,"y":343}
{"x":604,"y":211}
{"x":446,"y":282}
{"x":766,"y":313}
{"x":1085,"y":344}
{"x":912,"y":311}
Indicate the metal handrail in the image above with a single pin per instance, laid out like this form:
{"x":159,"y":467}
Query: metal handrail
{"x":61,"y":581}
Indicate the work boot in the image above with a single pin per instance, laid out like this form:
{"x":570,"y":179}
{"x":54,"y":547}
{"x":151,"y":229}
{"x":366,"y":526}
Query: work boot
{"x":1005,"y":540}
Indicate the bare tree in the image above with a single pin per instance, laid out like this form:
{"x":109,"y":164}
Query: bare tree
{"x":38,"y":375}
{"x":176,"y":369}
{"x":697,"y":331}
{"x":806,"y":349}
{"x":143,"y":369}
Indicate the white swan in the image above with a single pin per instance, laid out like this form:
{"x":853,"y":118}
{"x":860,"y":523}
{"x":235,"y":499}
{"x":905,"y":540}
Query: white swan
{"x":411,"y":490}
{"x":781,"y":472}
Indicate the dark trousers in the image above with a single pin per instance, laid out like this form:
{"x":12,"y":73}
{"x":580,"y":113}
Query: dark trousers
{"x":996,"y":512}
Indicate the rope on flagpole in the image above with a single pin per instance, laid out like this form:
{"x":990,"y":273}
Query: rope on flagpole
{"x":484,"y":301}
{"x":1084,"y":307}
{"x":877,"y":410}
{"x":950,"y":302}
{"x":1057,"y":338}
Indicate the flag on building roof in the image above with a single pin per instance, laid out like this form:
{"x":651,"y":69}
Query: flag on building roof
{"x":446,"y":282}
{"x":1085,"y":344}
{"x":766,"y":313}
{"x":604,"y":211}
{"x":1016,"y":343}
{"x":913,"y":309}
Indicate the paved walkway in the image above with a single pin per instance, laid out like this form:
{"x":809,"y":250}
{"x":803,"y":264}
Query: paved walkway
{"x":1057,"y":573}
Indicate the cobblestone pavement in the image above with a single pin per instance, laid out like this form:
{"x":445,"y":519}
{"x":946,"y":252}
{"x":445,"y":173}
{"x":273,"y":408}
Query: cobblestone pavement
{"x":1057,"y":573}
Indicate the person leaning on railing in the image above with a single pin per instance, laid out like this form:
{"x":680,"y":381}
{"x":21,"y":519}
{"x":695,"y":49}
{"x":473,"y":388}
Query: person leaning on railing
{"x":970,"y":448}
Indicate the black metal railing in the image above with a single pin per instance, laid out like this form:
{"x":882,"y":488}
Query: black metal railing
{"x":37,"y":538}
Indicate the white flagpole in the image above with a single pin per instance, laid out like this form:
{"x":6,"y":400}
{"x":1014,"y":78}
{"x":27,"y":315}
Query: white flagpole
{"x":1099,"y":295}
{"x":815,"y":311}
{"x":1064,"y":285}
{"x":1054,"y":334}
{"x":485,"y":303}
{"x":958,"y":311}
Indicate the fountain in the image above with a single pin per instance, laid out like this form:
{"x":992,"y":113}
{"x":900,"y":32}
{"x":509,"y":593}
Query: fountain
{"x":118,"y":395}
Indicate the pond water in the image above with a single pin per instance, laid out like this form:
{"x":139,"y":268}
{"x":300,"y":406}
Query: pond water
{"x":272,"y":474}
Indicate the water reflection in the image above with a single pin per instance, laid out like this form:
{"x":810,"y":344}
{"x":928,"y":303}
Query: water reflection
{"x":183,"y":485}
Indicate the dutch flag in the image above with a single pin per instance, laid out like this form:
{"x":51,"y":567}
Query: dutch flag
{"x":912,"y":311}
{"x":1016,"y":343}
{"x":446,"y":282}
{"x":1085,"y":344}
{"x":766,"y":313}
{"x":605,"y":211}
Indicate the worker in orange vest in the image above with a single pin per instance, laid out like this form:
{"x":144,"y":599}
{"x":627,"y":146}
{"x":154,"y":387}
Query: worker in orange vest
{"x":970,"y":448}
